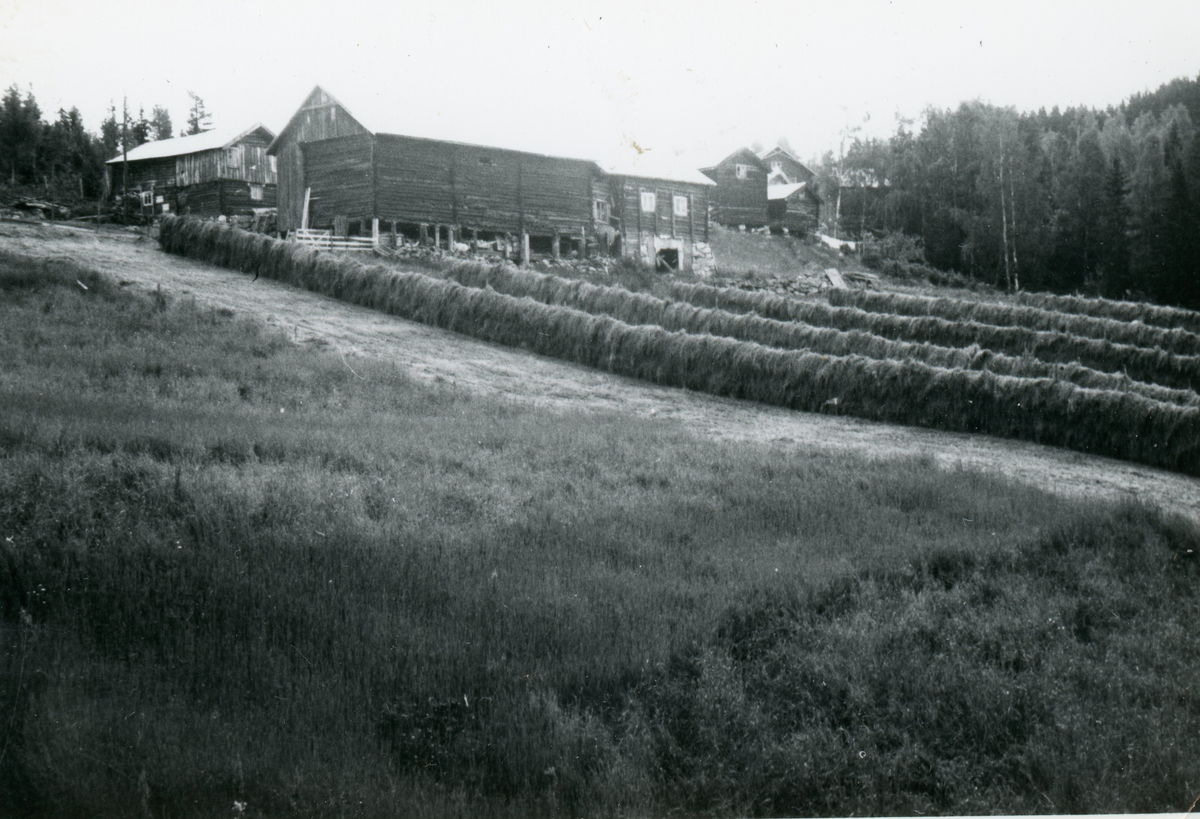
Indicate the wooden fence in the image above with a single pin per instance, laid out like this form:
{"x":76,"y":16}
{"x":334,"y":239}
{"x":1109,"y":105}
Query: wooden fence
{"x":325,"y":240}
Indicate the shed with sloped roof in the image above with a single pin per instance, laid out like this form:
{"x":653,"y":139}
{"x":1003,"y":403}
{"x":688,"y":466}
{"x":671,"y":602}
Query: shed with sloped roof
{"x":214,"y":173}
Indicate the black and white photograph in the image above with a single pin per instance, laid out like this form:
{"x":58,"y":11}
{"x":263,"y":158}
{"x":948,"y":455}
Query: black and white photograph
{"x":599,"y":409}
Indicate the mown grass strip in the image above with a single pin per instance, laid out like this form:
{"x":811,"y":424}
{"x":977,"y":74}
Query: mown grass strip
{"x":1153,"y":366}
{"x":905,"y":392}
{"x":641,"y":308}
{"x":1133,"y":333}
{"x":1155,"y":315}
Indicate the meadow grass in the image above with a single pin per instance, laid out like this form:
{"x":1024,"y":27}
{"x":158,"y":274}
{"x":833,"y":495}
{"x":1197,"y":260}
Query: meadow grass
{"x":234,"y":570}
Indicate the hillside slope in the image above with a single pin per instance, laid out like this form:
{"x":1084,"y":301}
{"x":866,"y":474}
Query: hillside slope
{"x":436,"y":355}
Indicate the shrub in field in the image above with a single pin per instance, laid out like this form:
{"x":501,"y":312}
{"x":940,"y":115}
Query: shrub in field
{"x":1152,"y":314}
{"x":906,"y":392}
{"x":1153,"y":366}
{"x":1180,"y":342}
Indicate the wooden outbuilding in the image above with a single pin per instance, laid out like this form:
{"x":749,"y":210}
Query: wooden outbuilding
{"x":336,"y":174}
{"x":796,"y":207}
{"x":215,"y":173}
{"x":741,"y":195}
{"x":784,"y":168}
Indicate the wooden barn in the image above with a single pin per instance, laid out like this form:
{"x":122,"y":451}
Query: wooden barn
{"x":216,"y":173}
{"x":796,"y":207}
{"x":741,"y":195}
{"x":338,"y":175}
{"x":784,"y":169}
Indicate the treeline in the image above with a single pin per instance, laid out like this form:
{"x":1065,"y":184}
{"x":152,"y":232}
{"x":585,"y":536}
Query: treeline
{"x":60,"y":159}
{"x":1100,"y":202}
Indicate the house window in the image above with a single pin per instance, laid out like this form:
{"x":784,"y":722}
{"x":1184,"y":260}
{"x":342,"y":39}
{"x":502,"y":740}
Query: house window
{"x":166,"y":208}
{"x":681,"y":205}
{"x":600,"y":210}
{"x":649,"y":201}
{"x":256,"y":192}
{"x":742,"y":171}
{"x":233,"y":157}
{"x":147,"y":198}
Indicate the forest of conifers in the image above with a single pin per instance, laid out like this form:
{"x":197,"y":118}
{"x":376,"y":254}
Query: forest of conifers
{"x":1101,"y":202}
{"x":1106,"y":202}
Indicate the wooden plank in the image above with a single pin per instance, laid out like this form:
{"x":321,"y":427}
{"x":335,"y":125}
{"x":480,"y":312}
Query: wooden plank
{"x":835,"y":278}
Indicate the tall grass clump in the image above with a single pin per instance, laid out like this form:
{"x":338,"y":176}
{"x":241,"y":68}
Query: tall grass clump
{"x":238,"y":578}
{"x":1133,"y":333}
{"x":1121,"y":425}
{"x":1155,"y":315}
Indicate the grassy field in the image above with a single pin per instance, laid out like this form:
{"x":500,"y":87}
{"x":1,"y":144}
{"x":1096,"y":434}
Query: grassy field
{"x":675,"y":344}
{"x":238,"y":572}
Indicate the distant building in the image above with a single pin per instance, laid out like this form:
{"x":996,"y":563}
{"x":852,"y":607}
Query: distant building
{"x":796,"y":207}
{"x":338,"y":174}
{"x":784,"y":169}
{"x":216,"y":173}
{"x":741,"y":197}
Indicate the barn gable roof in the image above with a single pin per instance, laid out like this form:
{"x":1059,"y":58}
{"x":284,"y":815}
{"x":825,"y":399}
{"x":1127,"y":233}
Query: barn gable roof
{"x":378,"y":112}
{"x":180,"y":146}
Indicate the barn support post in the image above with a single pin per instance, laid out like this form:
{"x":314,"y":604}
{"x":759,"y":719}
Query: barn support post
{"x":474,"y":240}
{"x":375,"y":231}
{"x":450,"y":238}
{"x":393,"y":234}
{"x":524,"y":248}
{"x":437,"y":236}
{"x":424,"y":235}
{"x":555,"y":245}
{"x":507,"y":246}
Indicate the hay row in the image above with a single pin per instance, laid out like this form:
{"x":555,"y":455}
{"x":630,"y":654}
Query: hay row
{"x":902,"y":392}
{"x":1152,"y":314}
{"x":1177,"y":341}
{"x":640,"y":308}
{"x":1141,"y":364}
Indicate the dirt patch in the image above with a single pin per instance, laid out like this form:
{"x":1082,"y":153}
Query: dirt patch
{"x":438,"y":355}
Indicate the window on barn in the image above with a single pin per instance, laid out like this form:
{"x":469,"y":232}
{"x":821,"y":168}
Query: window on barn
{"x":600,"y":210}
{"x":274,"y":167}
{"x":742,"y":171}
{"x":649,"y":201}
{"x":233,"y":157}
{"x":776,"y":165}
{"x":681,"y":205}
{"x":256,"y":192}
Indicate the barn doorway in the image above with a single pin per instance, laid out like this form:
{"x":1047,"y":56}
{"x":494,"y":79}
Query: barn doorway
{"x":667,"y":260}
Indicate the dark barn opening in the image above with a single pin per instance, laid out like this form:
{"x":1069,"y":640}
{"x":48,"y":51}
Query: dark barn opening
{"x":668,"y":259}
{"x":541,"y":244}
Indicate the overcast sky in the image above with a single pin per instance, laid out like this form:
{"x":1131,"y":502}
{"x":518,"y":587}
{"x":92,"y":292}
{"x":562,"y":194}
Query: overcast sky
{"x":699,"y":76}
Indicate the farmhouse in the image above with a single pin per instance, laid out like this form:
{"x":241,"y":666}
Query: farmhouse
{"x":795,"y":206}
{"x":741,"y":196}
{"x":215,"y":173}
{"x":785,"y":169}
{"x":339,"y":175}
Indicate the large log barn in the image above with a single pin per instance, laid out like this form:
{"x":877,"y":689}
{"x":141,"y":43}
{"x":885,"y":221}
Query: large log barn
{"x":215,"y":173}
{"x":338,"y":175}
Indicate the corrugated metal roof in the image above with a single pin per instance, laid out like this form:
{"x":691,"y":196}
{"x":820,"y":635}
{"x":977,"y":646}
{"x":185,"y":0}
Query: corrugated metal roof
{"x":179,"y":146}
